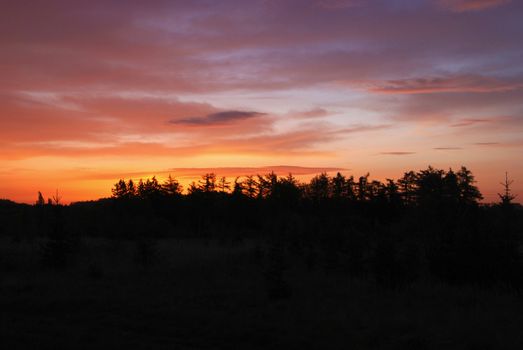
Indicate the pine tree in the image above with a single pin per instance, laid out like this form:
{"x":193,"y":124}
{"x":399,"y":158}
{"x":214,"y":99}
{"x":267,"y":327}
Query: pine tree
{"x":40,"y":200}
{"x":338,"y":186}
{"x":224,"y":185}
{"x":171,"y":187}
{"x":250,"y":186}
{"x":208,"y":183}
{"x":120,"y":189}
{"x":469,"y":193}
{"x":506,"y":197}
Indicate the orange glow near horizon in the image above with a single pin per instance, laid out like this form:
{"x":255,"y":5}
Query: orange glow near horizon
{"x":85,"y":189}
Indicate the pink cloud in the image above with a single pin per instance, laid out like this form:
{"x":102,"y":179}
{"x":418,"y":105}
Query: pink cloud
{"x":470,"y":121}
{"x":472,"y":5}
{"x":195,"y":173}
{"x":218,"y":118}
{"x":310,"y":114}
{"x":397,"y":153}
{"x":458,"y":84}
{"x":339,"y":4}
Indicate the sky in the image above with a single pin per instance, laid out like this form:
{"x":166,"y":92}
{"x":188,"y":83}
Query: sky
{"x":94,"y":91}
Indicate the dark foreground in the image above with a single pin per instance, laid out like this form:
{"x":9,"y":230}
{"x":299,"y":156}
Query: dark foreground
{"x":197,"y":294}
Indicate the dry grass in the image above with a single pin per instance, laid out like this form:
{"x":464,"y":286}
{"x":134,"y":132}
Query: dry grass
{"x":197,"y":294}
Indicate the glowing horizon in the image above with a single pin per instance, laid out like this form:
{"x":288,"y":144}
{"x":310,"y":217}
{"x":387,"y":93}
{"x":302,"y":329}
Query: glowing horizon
{"x":99,"y":91}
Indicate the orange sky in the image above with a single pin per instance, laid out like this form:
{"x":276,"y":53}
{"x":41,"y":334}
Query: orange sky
{"x":110,"y":89}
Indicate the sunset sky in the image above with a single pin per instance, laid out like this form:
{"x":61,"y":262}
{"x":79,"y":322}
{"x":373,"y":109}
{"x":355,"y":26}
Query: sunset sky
{"x":93,"y":91}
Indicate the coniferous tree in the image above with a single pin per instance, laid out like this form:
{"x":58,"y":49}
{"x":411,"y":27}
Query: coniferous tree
{"x":469,"y":193}
{"x":120,"y":189}
{"x":208,"y":183}
{"x":318,"y":188}
{"x":506,"y":197}
{"x":351,"y":189}
{"x":238,"y":187}
{"x":224,"y":185}
{"x":363,"y":187}
{"x":338,"y":185}
{"x":40,"y":201}
{"x":124,"y":190}
{"x":452,"y":191}
{"x":392,"y":193}
{"x":131,"y":189}
{"x":408,"y":187}
{"x":140,"y":189}
{"x":250,"y":186}
{"x":171,"y":187}
{"x":193,"y":189}
{"x":430,"y":187}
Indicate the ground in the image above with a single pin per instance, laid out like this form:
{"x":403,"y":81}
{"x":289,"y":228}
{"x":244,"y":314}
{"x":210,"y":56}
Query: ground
{"x":201,"y":294}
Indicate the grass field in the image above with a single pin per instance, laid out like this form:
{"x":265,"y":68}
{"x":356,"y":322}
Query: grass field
{"x":195,"y":294}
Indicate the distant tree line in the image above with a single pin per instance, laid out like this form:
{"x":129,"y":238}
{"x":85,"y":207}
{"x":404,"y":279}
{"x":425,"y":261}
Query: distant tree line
{"x":426,"y":187}
{"x":429,"y":224}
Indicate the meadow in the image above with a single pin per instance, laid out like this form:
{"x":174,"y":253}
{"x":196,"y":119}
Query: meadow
{"x":198,"y":294}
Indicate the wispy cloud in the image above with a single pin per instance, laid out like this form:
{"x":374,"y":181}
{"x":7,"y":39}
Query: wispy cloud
{"x":487,"y":143}
{"x":219,"y":118}
{"x":459,"y":84}
{"x":516,"y":143}
{"x":362,"y":128}
{"x":338,"y":4}
{"x":197,"y":172}
{"x":310,"y":114}
{"x":469,"y":122}
{"x":471,"y":5}
{"x":244,"y":171}
{"x":397,"y":153}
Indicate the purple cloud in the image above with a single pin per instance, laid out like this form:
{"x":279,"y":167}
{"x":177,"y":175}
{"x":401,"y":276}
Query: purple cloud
{"x":218,"y":118}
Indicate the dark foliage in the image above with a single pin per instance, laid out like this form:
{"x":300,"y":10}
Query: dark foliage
{"x":428,"y":224}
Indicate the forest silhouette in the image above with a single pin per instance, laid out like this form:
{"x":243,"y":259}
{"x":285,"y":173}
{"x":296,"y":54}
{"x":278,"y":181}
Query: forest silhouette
{"x":427,"y":223}
{"x":258,"y":241}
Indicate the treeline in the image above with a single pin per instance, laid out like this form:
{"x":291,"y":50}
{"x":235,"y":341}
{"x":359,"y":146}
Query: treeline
{"x":427,"y":187}
{"x":429,"y":224}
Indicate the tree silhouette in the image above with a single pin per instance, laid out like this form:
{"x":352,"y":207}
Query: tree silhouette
{"x":224,"y":185}
{"x":171,"y":187}
{"x":57,"y":198}
{"x":266,"y":185}
{"x":363,"y":189}
{"x":284,"y":191}
{"x":408,"y":185}
{"x":250,"y":186}
{"x":469,"y":193}
{"x":124,"y":190}
{"x":451,"y":188}
{"x":338,"y":185}
{"x":430,"y":187}
{"x":506,"y":197}
{"x":150,"y":188}
{"x":208,"y":183}
{"x":238,"y":187}
{"x":131,"y":189}
{"x":40,"y":200}
{"x":392,"y":193}
{"x":119,"y":189}
{"x":318,"y":188}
